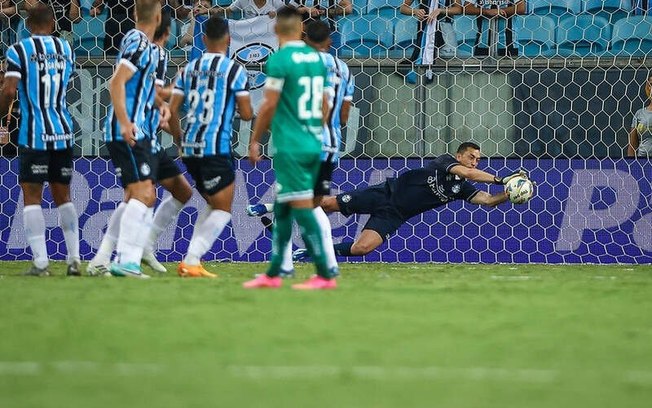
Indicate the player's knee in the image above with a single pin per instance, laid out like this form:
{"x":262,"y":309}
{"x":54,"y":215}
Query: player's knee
{"x":363,"y":248}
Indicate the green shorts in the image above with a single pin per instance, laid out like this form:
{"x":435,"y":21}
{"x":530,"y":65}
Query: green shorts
{"x":295,"y":175}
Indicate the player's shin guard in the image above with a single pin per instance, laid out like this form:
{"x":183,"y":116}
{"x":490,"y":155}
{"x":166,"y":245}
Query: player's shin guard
{"x":205,"y":235}
{"x":110,"y":238}
{"x":287,"y":264}
{"x":34,"y":223}
{"x":69,"y":223}
{"x":166,"y":212}
{"x":280,"y":237}
{"x":311,"y":234}
{"x":326,"y":237}
{"x":134,"y":230}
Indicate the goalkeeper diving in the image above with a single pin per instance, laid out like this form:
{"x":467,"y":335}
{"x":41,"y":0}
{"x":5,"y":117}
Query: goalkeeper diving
{"x":392,"y":203}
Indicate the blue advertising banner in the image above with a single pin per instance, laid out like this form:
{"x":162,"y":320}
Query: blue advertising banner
{"x":584,"y":211}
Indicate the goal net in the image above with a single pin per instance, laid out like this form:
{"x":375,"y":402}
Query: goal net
{"x":561,"y":106}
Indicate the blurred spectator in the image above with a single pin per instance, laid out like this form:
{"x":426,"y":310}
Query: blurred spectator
{"x":192,"y":31}
{"x":179,"y":9}
{"x":494,"y":15}
{"x":119,"y":21}
{"x":331,"y":10}
{"x":641,"y":7}
{"x":251,"y":8}
{"x":66,"y":13}
{"x":443,"y":43}
{"x":640,"y":135}
{"x":8,"y":24}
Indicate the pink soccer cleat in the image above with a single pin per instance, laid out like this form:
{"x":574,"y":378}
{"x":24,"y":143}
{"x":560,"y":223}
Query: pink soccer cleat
{"x":316,"y":283}
{"x":263,"y":281}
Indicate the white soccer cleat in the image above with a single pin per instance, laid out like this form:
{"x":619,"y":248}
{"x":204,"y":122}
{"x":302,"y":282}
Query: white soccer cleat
{"x":150,"y":260}
{"x":98,"y":269}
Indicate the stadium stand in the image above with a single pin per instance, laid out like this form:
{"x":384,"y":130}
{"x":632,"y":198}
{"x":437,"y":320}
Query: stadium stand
{"x":554,"y":7}
{"x":535,"y":35}
{"x":631,"y":36}
{"x":583,"y":35}
{"x":366,"y":37}
{"x":612,"y":10}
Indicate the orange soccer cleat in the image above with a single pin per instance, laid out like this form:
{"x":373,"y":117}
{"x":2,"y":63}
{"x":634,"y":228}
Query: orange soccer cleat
{"x":194,"y":271}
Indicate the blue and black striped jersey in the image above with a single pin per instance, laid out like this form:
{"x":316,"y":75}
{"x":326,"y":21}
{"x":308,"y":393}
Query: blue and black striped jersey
{"x":153,"y":116}
{"x":141,"y":57}
{"x":210,"y":85}
{"x":341,"y":89}
{"x":44,"y":65}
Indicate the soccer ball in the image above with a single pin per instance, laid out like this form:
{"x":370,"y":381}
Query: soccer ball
{"x":520,"y":190}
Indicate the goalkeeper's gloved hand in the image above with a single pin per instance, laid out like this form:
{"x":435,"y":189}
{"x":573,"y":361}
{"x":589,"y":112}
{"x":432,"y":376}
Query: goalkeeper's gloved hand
{"x":505,"y":180}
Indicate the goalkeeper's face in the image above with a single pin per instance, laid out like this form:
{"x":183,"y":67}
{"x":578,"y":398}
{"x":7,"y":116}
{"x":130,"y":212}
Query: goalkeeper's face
{"x":469,"y":158}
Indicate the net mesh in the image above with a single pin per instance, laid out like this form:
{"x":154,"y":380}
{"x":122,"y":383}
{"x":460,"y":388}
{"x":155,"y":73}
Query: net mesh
{"x":561,"y":105}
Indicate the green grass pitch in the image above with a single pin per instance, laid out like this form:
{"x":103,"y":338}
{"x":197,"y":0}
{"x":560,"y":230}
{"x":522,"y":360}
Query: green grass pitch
{"x":390,"y":336}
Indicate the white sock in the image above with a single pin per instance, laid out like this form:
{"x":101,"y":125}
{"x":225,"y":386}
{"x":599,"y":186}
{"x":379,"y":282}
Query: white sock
{"x":203,"y":214}
{"x":110,"y":238}
{"x":287,"y":264}
{"x":69,"y":223}
{"x":134,"y":230}
{"x":166,"y":212}
{"x":326,"y":236}
{"x":205,"y":235}
{"x":34,"y":223}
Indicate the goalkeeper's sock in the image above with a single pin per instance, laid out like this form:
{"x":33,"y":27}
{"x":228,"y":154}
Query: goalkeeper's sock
{"x":280,"y":237}
{"x":326,"y":237}
{"x":110,"y":238}
{"x":311,"y":234}
{"x":205,"y":235}
{"x":343,"y":249}
{"x":166,"y":212}
{"x":34,"y":224}
{"x":69,"y":223}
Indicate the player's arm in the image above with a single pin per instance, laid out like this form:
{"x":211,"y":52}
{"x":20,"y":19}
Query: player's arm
{"x":633,"y":143}
{"x":245,"y":109}
{"x":7,"y":95}
{"x":481,"y":176}
{"x":174,"y":124}
{"x":489,"y":200}
{"x":117,"y":90}
{"x":266,"y":112}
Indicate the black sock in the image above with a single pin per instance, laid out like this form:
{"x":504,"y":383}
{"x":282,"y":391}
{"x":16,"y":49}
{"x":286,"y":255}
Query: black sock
{"x":343,"y":249}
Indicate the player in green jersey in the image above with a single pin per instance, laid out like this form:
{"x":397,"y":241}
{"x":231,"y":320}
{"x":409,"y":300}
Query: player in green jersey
{"x":296,"y":106}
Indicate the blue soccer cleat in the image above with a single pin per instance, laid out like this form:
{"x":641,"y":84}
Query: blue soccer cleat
{"x":130,"y":270}
{"x":257,"y":210}
{"x":301,"y":255}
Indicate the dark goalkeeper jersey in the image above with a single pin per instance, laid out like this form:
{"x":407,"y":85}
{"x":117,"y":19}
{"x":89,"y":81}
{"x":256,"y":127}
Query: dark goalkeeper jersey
{"x":420,"y":190}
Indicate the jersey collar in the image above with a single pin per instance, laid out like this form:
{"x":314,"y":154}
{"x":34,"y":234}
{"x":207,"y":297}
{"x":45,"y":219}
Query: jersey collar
{"x":294,"y":43}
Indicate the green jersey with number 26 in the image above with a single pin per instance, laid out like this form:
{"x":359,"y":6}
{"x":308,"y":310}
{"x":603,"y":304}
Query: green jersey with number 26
{"x":299,"y":74}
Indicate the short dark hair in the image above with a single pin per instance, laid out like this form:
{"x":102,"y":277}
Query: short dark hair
{"x":467,"y":145}
{"x":318,"y":31}
{"x":164,"y":27}
{"x":216,"y":27}
{"x":40,"y":15}
{"x":286,"y":12}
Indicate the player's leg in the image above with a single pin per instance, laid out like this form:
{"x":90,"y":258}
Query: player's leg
{"x":173,"y":181}
{"x":33,"y":173}
{"x":216,"y":181}
{"x":60,"y":174}
{"x":136,"y":220}
{"x":381,"y":225}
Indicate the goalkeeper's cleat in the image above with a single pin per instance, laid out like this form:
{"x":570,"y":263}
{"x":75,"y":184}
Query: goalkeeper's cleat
{"x":150,"y":260}
{"x":34,"y":271}
{"x":98,"y":270}
{"x":74,"y":268}
{"x":263,"y":281}
{"x":316,"y":283}
{"x":130,"y":270}
{"x":257,"y":210}
{"x":301,"y":255}
{"x":194,"y":271}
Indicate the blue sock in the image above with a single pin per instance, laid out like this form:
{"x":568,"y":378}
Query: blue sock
{"x":343,"y":249}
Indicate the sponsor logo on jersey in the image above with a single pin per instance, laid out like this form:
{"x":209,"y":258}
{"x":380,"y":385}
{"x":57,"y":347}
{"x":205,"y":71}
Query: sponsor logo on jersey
{"x":144,"y":169}
{"x":301,"y":57}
